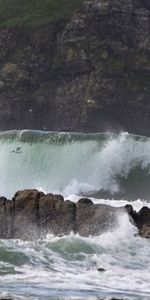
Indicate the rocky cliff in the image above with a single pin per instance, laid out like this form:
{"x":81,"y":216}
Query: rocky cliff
{"x":89,"y":73}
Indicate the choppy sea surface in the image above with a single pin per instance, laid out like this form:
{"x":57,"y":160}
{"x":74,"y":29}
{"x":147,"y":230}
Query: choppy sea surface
{"x":110,"y":169}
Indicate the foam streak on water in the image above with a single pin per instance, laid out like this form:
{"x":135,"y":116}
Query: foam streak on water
{"x":102,"y":166}
{"x":67,"y":266}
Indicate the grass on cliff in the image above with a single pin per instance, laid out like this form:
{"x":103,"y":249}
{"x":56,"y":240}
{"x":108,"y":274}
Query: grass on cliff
{"x":35,"y":12}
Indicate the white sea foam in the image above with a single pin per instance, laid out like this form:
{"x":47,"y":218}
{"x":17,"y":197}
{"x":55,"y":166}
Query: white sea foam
{"x":77,"y":165}
{"x":68,"y":266}
{"x":59,"y":266}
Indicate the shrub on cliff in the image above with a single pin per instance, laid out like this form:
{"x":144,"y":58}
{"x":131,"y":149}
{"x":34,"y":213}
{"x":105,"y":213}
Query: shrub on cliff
{"x":35,"y":12}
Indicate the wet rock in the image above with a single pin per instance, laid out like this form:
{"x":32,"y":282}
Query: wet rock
{"x":3,"y":224}
{"x":132,"y":213}
{"x":25,"y":214}
{"x":32,"y":214}
{"x":145,"y":231}
{"x":143,"y":216}
{"x":6,"y":218}
{"x":56,"y":215}
{"x":140,"y":219}
{"x":94,"y":219}
{"x":144,"y":222}
{"x":101,"y":270}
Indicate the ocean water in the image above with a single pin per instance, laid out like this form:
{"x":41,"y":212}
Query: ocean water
{"x":110,"y":169}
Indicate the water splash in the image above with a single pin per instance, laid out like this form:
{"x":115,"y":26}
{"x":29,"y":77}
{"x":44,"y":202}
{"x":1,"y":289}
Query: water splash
{"x":102,"y":165}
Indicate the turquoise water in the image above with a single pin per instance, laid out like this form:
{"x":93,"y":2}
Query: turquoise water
{"x":111,"y":169}
{"x":100,"y":165}
{"x":67,"y":267}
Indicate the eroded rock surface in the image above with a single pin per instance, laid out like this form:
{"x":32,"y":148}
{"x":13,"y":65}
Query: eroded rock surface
{"x":32,"y":214}
{"x":141,"y":219}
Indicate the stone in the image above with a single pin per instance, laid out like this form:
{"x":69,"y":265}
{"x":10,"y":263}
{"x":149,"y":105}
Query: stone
{"x":3,"y":224}
{"x":94,"y":219}
{"x":31,"y":214}
{"x":140,"y":219}
{"x":26,"y":214}
{"x":134,"y":218}
{"x":144,"y":232}
{"x":6,"y":218}
{"x":94,"y":70}
{"x":101,"y":270}
{"x":56,"y":215}
{"x":144,"y":222}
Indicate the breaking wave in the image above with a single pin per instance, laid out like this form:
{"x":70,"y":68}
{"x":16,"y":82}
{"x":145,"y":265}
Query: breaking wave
{"x":99,"y":165}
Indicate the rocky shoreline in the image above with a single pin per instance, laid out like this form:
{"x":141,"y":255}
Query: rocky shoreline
{"x":88,"y":74}
{"x":31,"y":214}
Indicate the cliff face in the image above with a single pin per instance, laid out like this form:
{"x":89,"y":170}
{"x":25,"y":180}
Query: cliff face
{"x":91,"y":74}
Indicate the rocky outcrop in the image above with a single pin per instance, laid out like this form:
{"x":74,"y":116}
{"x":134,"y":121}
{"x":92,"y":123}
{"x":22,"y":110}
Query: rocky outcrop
{"x":144,"y":222}
{"x":32,"y":214}
{"x":141,"y":220}
{"x":91,"y":74}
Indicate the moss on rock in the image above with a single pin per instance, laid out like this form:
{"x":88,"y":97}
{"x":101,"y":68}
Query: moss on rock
{"x":35,"y":12}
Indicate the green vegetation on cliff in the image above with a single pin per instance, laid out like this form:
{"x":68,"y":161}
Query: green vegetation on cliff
{"x":35,"y":12}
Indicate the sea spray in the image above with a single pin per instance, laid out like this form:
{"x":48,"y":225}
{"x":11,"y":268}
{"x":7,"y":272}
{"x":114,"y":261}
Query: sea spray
{"x":68,"y":266}
{"x":103,"y":166}
{"x":99,"y":165}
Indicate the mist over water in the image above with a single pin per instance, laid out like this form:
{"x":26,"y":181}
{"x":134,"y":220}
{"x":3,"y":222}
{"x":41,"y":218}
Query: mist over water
{"x":108,"y":169}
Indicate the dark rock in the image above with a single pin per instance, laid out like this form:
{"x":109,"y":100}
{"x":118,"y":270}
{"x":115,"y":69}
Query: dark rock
{"x":145,"y":231}
{"x":32,"y":214}
{"x":56,"y":215}
{"x":13,"y":75}
{"x":144,"y":222}
{"x":3,"y":224}
{"x":94,"y":71}
{"x":26,"y":214}
{"x":146,"y":4}
{"x":143,"y":216}
{"x":85,"y":201}
{"x":95,"y":219}
{"x":5,"y":218}
{"x":133,"y":214}
{"x":116,"y":298}
{"x":101,"y":270}
{"x":140,"y":219}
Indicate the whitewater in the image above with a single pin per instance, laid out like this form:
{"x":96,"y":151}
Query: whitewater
{"x":108,"y":168}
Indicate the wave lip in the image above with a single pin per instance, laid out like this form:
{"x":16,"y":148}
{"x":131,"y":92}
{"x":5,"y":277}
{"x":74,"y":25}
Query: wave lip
{"x":101,"y":165}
